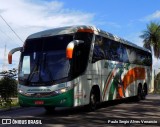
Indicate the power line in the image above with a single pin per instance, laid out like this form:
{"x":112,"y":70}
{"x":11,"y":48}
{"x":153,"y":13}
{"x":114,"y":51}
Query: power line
{"x":5,"y":34}
{"x":11,"y":28}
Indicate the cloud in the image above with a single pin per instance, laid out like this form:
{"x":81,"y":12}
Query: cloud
{"x":27,"y":17}
{"x":153,"y":16}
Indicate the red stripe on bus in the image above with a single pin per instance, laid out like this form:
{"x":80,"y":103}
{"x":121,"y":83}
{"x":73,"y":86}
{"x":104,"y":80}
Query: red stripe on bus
{"x":132,"y":75}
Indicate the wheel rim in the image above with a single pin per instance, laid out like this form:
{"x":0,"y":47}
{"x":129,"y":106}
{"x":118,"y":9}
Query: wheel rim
{"x":93,"y":101}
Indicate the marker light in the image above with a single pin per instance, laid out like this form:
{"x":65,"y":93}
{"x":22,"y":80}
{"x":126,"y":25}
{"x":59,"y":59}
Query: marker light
{"x":69,"y":50}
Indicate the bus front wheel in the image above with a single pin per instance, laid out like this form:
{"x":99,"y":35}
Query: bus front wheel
{"x":93,"y":101}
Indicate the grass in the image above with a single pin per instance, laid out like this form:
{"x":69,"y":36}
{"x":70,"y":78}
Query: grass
{"x":14,"y":103}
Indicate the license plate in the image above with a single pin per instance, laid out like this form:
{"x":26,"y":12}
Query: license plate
{"x":39,"y":102}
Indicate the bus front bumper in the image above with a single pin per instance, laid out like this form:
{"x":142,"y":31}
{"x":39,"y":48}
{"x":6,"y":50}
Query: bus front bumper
{"x":62,"y":100}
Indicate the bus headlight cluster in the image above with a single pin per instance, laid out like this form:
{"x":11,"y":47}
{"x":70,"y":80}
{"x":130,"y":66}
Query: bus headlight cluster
{"x":61,"y":90}
{"x":23,"y":93}
{"x":67,"y":87}
{"x":20,"y":91}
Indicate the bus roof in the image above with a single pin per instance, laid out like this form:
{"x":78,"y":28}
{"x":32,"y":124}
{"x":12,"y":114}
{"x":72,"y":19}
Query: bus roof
{"x":73,"y":29}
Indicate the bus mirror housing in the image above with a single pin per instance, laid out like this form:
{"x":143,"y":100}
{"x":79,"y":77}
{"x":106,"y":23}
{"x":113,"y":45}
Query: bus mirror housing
{"x":12,"y":52}
{"x":70,"y":48}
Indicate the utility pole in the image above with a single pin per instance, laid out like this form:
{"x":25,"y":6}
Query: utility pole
{"x":4,"y":66}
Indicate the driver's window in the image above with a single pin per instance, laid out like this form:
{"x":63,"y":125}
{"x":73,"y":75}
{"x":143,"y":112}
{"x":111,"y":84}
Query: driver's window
{"x":26,"y":65}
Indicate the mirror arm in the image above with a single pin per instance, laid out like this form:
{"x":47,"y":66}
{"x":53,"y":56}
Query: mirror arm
{"x":12,"y":52}
{"x":70,"y":48}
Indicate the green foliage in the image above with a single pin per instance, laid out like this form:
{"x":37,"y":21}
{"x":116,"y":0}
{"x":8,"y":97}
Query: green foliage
{"x":151,"y":38}
{"x":8,"y":87}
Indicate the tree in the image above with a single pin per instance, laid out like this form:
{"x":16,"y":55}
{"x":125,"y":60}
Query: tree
{"x":151,"y":38}
{"x":8,"y":87}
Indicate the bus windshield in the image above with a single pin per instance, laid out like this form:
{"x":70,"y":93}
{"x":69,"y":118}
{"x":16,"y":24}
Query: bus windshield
{"x":44,"y":60}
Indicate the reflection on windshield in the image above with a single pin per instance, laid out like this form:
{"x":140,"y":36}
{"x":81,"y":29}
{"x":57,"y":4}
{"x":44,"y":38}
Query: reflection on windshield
{"x":26,"y":65}
{"x":44,"y":60}
{"x":53,"y":67}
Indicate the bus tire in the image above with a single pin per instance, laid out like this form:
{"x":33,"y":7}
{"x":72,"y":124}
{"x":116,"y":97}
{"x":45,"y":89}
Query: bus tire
{"x":145,"y":91}
{"x":94,"y":98}
{"x":49,"y":109}
{"x":139,"y":93}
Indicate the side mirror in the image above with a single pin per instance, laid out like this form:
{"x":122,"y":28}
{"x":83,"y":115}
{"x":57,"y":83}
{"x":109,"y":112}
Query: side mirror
{"x":70,"y":48}
{"x":12,"y":52}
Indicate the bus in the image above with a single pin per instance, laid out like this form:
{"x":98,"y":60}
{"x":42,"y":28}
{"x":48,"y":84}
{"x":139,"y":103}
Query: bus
{"x":80,"y":65}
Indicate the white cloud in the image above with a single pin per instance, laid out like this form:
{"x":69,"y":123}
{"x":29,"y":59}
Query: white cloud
{"x":153,"y":16}
{"x":27,"y":17}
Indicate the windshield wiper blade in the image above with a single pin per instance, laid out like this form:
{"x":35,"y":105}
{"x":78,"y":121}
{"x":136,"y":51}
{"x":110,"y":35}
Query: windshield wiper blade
{"x":33,"y":71}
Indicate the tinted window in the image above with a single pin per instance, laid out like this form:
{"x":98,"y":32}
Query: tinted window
{"x":98,"y":52}
{"x":105,"y":48}
{"x":86,"y":37}
{"x":146,"y":59}
{"x":137,"y":56}
{"x":131,"y":55}
{"x":59,"y":42}
{"x":81,"y":52}
{"x":125,"y":58}
{"x":115,"y":51}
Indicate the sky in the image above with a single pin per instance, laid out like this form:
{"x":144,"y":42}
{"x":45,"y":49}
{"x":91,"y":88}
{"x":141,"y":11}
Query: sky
{"x":124,"y":18}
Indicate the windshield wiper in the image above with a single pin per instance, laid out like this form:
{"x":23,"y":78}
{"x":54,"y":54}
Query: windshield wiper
{"x":33,"y":71}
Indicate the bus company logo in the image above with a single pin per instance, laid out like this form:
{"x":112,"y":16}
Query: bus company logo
{"x":38,"y":90}
{"x":6,"y":121}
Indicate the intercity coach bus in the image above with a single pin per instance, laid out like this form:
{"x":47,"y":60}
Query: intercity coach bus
{"x":80,"y":65}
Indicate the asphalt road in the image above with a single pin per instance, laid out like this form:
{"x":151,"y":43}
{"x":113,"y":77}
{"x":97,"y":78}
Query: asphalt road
{"x":115,"y":113}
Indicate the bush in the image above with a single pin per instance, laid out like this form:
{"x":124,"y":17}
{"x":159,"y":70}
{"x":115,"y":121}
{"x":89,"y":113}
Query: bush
{"x":8,"y":89}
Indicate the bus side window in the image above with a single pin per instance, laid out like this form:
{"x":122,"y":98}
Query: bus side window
{"x":146,"y":61}
{"x":124,"y":54}
{"x":115,"y":51}
{"x":131,"y":55}
{"x":107,"y":44}
{"x":98,"y":51}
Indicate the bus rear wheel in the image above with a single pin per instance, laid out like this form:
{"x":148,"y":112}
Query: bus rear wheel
{"x":49,"y":109}
{"x":145,"y":92}
{"x":139,"y":93}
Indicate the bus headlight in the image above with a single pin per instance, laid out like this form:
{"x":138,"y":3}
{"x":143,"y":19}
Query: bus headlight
{"x":65,"y":88}
{"x":23,"y":93}
{"x":61,"y":90}
{"x":20,"y":91}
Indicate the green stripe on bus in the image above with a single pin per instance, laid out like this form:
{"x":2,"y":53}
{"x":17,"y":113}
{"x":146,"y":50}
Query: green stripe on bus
{"x":62,"y":100}
{"x":111,"y":91}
